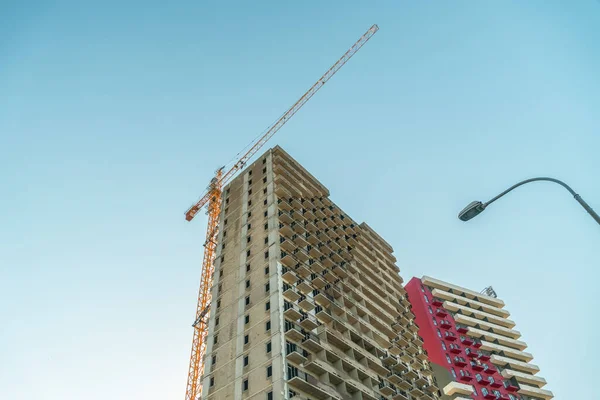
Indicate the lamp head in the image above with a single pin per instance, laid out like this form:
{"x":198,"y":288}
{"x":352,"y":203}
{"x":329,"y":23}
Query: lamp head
{"x":471,"y":211}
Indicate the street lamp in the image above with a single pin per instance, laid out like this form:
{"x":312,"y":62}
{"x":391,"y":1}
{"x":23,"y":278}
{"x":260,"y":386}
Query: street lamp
{"x":476,"y":207}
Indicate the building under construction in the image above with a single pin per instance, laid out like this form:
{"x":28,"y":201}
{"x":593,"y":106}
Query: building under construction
{"x":306,"y":303}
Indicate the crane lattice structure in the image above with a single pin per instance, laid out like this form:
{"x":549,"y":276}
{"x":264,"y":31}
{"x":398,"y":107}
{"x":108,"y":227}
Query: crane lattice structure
{"x":212,"y":199}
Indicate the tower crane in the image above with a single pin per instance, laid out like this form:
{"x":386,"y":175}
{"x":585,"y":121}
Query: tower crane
{"x":212,"y":200}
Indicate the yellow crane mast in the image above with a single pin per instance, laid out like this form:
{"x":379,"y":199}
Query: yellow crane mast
{"x":212,"y":199}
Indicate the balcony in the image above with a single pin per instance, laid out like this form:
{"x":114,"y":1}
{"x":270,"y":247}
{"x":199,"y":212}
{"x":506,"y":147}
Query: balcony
{"x":395,"y":378}
{"x":511,"y":385}
{"x":483,"y":356}
{"x":305,"y":304}
{"x":462,"y":328}
{"x":445,"y":324}
{"x":288,"y":276}
{"x":530,"y":392}
{"x":317,"y":281}
{"x":290,"y":294}
{"x":466,"y":341}
{"x":496,"y":384}
{"x":477,"y":367}
{"x":489,"y":395}
{"x":490,"y":370}
{"x":437,"y":302}
{"x":308,"y":323}
{"x":449,"y":337}
{"x":323,"y":315}
{"x":455,"y":350}
{"x":471,"y":354}
{"x":296,"y":357}
{"x":310,"y":385}
{"x":386,"y":388}
{"x":389,"y":359}
{"x":457,"y":389}
{"x":465,"y":378}
{"x":302,"y":270}
{"x":293,"y":334}
{"x":323,"y":299}
{"x":440,"y":312}
{"x":483,"y":382}
{"x":459,"y":363}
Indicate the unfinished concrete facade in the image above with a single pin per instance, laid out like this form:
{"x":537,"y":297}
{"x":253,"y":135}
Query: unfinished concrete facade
{"x":307,"y":304}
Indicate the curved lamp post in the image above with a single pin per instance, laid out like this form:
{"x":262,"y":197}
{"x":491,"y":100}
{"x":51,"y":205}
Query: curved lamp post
{"x":476,"y":207}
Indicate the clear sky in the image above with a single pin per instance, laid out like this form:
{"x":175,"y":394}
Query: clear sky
{"x":114,"y":115}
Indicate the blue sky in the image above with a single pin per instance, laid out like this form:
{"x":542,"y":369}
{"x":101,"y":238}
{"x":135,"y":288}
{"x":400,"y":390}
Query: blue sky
{"x":114,"y":115}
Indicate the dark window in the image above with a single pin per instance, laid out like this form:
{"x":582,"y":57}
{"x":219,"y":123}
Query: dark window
{"x":219,"y":303}
{"x":248,"y":253}
{"x":249,"y":202}
{"x":266,"y":270}
{"x":246,"y":339}
{"x":214,"y":360}
{"x":264,"y":170}
{"x":265,"y":181}
{"x":267,"y":287}
{"x":221,"y":273}
{"x":215,"y":339}
{"x":270,"y":396}
{"x":212,"y":381}
{"x":249,"y":239}
{"x":267,"y":240}
{"x":268,"y":305}
{"x":265,"y":202}
{"x":216,"y":321}
{"x":247,"y":267}
{"x":225,"y":222}
{"x":250,"y":181}
{"x":268,"y":326}
{"x":266,"y":213}
{"x":247,"y":300}
{"x":269,"y":347}
{"x":266,"y":254}
{"x":250,"y":192}
{"x":269,"y":371}
{"x":249,"y":214}
{"x":248,"y":283}
{"x":249,"y":226}
{"x":264,"y":160}
{"x":222,"y":258}
{"x":245,"y":361}
{"x":266,"y":226}
{"x":245,"y":385}
{"x":246,"y":319}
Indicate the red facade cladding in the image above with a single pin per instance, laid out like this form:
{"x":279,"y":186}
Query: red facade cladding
{"x":450,"y":344}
